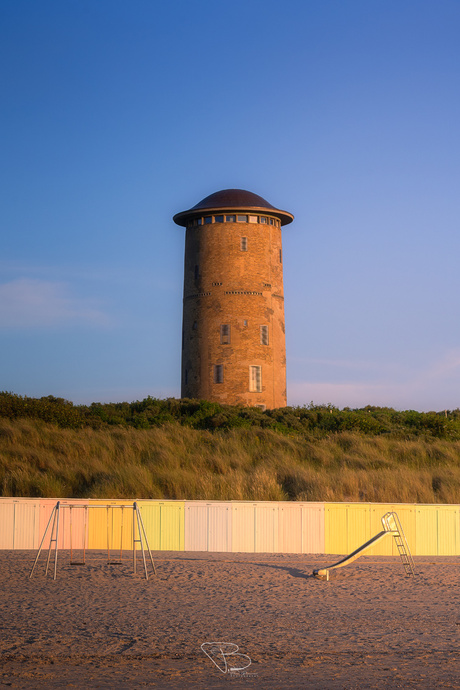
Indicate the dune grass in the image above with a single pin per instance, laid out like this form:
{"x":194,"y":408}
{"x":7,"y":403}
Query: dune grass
{"x":38,"y":459}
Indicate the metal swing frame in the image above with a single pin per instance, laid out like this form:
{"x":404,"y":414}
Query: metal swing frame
{"x":54,"y":522}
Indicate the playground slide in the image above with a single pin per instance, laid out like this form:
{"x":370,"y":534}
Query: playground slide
{"x":391,"y":525}
{"x":323,"y":573}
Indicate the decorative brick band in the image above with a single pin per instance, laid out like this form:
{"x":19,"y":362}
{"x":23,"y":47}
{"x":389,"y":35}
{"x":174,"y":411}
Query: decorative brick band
{"x":198,"y":294}
{"x":242,"y":292}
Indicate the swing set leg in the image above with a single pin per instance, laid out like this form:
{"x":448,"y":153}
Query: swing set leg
{"x":140,"y":525}
{"x":43,"y":539}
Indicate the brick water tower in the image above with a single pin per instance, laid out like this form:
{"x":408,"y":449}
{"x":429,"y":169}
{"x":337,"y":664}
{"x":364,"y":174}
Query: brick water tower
{"x":233,"y":342}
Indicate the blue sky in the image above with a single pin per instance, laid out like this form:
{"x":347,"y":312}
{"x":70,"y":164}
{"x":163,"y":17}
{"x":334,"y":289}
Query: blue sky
{"x":116,"y":115}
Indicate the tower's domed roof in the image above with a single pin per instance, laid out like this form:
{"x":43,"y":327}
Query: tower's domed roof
{"x":232,"y":200}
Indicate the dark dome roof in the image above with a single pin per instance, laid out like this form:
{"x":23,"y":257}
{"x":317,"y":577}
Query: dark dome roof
{"x":232,"y":200}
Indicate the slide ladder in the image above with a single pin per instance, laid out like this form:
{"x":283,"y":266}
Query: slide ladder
{"x":401,"y":543}
{"x":391,"y":527}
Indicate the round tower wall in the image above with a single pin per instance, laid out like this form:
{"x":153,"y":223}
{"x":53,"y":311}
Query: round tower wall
{"x":233,"y":348}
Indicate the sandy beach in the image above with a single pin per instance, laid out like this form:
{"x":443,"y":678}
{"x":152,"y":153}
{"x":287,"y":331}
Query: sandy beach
{"x":98,"y":626}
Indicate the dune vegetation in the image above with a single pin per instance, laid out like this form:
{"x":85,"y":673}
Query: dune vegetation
{"x":184,"y":449}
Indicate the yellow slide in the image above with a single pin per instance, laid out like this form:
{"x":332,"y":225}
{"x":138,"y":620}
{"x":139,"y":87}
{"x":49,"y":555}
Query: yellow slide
{"x":392,"y":527}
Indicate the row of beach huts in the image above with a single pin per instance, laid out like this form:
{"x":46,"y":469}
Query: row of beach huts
{"x":232,"y":526}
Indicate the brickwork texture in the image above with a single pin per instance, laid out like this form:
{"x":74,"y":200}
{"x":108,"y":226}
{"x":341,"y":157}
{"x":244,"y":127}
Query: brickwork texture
{"x":233,"y":334}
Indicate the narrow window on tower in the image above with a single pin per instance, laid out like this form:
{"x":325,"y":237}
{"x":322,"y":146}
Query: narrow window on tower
{"x":197,"y":272}
{"x":255,"y":379}
{"x":281,"y":256}
{"x":242,"y":219}
{"x":225,"y":334}
{"x":244,"y":244}
{"x":264,"y":335}
{"x":218,"y":373}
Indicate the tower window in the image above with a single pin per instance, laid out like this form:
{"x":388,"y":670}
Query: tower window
{"x":253,"y":219}
{"x":218,"y":373}
{"x":200,"y":221}
{"x":242,"y":219}
{"x":272,"y":222}
{"x":281,"y":256}
{"x":255,"y":379}
{"x":264,"y":335}
{"x":244,"y":244}
{"x":197,"y":272}
{"x":230,"y":219}
{"x":225,"y":334}
{"x":263,"y":219}
{"x":218,"y":219}
{"x":195,"y":325}
{"x":207,"y":220}
{"x":245,"y":322}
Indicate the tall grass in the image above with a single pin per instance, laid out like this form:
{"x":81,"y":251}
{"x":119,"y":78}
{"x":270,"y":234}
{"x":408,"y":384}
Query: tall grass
{"x":176,"y":462}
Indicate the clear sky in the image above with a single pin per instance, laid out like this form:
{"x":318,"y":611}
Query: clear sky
{"x":115,"y":115}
